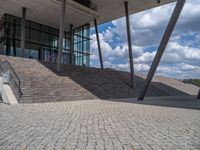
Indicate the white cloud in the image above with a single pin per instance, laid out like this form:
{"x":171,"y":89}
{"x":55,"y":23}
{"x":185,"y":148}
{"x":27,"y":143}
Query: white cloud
{"x":182,"y":56}
{"x":145,"y":58}
{"x":108,"y":35}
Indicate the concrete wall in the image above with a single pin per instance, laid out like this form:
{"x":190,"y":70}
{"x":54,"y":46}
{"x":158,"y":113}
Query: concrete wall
{"x":7,"y":94}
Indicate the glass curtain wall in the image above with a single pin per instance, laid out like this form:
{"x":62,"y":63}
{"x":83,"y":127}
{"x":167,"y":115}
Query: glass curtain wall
{"x":41,"y":42}
{"x":81,"y":45}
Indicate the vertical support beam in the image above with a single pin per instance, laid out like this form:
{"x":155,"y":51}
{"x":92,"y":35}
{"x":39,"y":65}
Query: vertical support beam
{"x":129,"y":44}
{"x":163,"y":44}
{"x":61,"y":34}
{"x":71,"y":60}
{"x":13,"y":38}
{"x":198,"y":97}
{"x":98,"y":43}
{"x":23,"y":30}
{"x":8,"y":41}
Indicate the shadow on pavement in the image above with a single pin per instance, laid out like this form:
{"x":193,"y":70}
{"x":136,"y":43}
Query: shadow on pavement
{"x":186,"y":102}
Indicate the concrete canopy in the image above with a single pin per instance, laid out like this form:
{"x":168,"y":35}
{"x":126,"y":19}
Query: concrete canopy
{"x":47,"y":11}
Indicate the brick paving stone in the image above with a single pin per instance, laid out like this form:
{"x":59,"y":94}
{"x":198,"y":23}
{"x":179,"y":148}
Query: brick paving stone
{"x":98,"y":124}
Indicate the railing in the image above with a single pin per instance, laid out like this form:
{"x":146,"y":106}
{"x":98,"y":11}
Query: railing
{"x":11,"y":78}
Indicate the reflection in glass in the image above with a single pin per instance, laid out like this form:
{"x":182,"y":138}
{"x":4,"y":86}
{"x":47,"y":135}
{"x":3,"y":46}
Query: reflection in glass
{"x":42,"y":41}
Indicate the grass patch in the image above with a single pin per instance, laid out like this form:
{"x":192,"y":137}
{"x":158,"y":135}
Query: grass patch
{"x":193,"y":81}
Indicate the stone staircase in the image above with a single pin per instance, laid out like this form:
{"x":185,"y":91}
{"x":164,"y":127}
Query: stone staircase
{"x":41,"y":83}
{"x":97,"y":81}
{"x":108,"y":84}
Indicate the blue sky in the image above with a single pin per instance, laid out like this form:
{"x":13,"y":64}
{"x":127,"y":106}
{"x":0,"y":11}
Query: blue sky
{"x":182,"y":56}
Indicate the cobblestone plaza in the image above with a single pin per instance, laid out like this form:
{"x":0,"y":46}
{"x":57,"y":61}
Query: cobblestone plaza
{"x":98,"y":124}
{"x":63,"y":92}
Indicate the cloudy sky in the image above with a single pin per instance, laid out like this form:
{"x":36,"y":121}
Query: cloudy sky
{"x":182,"y":57}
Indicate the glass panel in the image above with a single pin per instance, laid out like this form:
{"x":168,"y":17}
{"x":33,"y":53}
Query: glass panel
{"x":19,"y":52}
{"x":18,"y":32}
{"x":2,"y":33}
{"x":35,"y":36}
{"x":35,"y":26}
{"x":27,"y":37}
{"x":45,"y":39}
{"x":33,"y":54}
{"x":54,"y":31}
{"x":45,"y":29}
{"x":28,"y":24}
{"x":54,"y":55}
{"x":47,"y":54}
{"x":53,"y":41}
{"x":26,"y":53}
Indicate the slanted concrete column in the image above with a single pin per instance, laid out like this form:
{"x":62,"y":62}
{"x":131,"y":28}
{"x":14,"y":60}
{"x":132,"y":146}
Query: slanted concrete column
{"x":129,"y":45}
{"x":71,"y":45}
{"x":98,"y":43}
{"x":23,"y":30}
{"x":163,"y":44}
{"x":61,"y":34}
{"x":198,"y":95}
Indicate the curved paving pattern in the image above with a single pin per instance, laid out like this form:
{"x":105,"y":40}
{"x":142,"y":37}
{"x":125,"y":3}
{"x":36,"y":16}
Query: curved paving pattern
{"x":97,"y":124}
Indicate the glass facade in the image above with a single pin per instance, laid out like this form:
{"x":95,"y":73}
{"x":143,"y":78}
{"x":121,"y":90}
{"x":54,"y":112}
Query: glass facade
{"x":41,"y":42}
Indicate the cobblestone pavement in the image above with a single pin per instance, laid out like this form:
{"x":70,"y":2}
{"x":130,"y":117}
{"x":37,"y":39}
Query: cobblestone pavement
{"x":96,"y":124}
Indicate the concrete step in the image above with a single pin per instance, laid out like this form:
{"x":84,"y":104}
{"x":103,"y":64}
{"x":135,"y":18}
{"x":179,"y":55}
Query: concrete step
{"x":41,"y":83}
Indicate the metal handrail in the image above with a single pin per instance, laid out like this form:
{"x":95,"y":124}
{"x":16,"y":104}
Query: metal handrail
{"x":14,"y":80}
